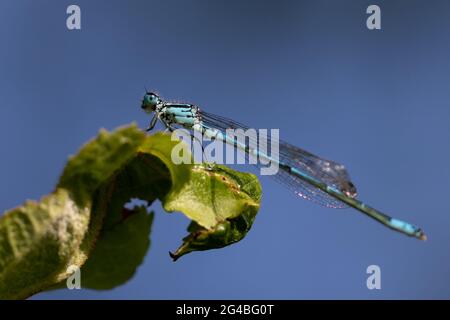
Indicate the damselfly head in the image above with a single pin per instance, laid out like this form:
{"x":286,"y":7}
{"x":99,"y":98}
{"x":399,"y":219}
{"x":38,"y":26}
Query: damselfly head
{"x":150,"y":101}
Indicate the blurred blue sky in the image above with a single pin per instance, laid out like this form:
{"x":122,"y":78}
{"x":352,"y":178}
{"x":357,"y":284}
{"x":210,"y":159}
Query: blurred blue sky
{"x":377,"y":101}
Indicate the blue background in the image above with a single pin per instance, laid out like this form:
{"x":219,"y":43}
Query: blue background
{"x":377,"y":101}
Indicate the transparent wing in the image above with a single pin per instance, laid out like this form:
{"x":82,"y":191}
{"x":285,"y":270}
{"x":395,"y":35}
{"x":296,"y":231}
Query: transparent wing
{"x":329,"y":172}
{"x":307,"y":191}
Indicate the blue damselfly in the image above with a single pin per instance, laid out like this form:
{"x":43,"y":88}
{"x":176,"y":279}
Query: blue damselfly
{"x":309,"y":176}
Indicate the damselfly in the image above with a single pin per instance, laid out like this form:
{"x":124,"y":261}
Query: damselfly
{"x":309,"y":176}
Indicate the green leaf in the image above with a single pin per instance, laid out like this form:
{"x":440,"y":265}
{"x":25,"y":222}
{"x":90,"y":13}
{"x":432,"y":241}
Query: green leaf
{"x":121,"y":248}
{"x":38,"y":241}
{"x":86,"y":223}
{"x":234,"y":201}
